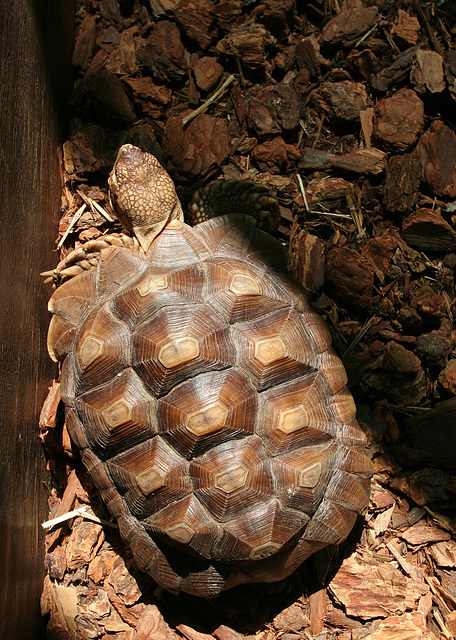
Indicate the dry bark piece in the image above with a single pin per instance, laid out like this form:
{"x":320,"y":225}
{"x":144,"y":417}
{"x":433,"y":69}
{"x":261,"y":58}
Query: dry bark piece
{"x":49,"y":410}
{"x":424,"y":486}
{"x":367,"y":125}
{"x":363,"y":161}
{"x":110,"y":10}
{"x":273,"y":108}
{"x":62,"y":605}
{"x":382,"y":499}
{"x":337,"y":619}
{"x":315,"y":158}
{"x":408,"y":626}
{"x":199,"y":147}
{"x":291,"y":619}
{"x":249,"y":41}
{"x":101,"y":565}
{"x":430,"y":305}
{"x":447,"y":378}
{"x":349,"y":278}
{"x":426,"y":230}
{"x":400,"y":191}
{"x":85,"y":539}
{"x":398,"y":120}
{"x":306,"y":57}
{"x":307,"y":260}
{"x":161,"y":8}
{"x":226,"y":633}
{"x":444,"y":553}
{"x":207,"y":73}
{"x":111,"y":36}
{"x":277,"y":17}
{"x":395,"y":373}
{"x":450,"y":71}
{"x":109,"y":98}
{"x":123,"y":593}
{"x":437,"y":151}
{"x":93,"y":611}
{"x":152,"y":625}
{"x":317,"y":606}
{"x":87,"y":150}
{"x":149,"y":98}
{"x":434,"y":433}
{"x":84,"y":45}
{"x":123,"y":60}
{"x":72,"y":491}
{"x":362,"y":63}
{"x":433,"y":349}
{"x":330,"y":192}
{"x":349,"y":24}
{"x":427,"y":72}
{"x":275,"y":155}
{"x":395,"y":74}
{"x":405,"y":29}
{"x":98,"y":62}
{"x":197,"y":21}
{"x":360,"y":586}
{"x":56,"y":563}
{"x":379,"y":251}
{"x":422,"y":533}
{"x":342,"y":100}
{"x":163,"y":53}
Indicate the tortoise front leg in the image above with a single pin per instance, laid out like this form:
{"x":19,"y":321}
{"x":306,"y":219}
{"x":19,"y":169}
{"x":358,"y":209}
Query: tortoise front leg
{"x":86,"y":257}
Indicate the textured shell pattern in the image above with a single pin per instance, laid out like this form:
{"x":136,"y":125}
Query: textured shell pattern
{"x":209,"y":407}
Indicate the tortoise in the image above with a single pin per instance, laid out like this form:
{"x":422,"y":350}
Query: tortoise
{"x":204,"y":396}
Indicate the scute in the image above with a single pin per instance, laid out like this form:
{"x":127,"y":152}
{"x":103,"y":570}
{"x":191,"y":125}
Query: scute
{"x":102,"y":351}
{"x":179,"y":343}
{"x":117,"y":415}
{"x":209,"y":407}
{"x":158,"y":287}
{"x":232,"y":478}
{"x":150,"y":476}
{"x":275,"y":349}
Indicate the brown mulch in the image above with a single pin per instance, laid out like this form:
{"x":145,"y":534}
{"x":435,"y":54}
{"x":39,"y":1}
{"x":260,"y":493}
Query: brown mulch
{"x":347,"y":112}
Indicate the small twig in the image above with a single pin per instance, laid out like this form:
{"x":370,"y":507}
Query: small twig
{"x":74,"y":219}
{"x":94,"y":205}
{"x":82,"y":511}
{"x":317,"y":137}
{"x":331,"y":215}
{"x":366,"y":35}
{"x":391,"y":42}
{"x":430,"y":34}
{"x":209,"y":101}
{"x":303,"y":192}
{"x":102,"y":211}
{"x":408,"y":568}
{"x":442,"y":625}
{"x":239,"y":66}
{"x":354,"y":343}
{"x":408,"y":409}
{"x":302,"y":131}
{"x":355,"y":214}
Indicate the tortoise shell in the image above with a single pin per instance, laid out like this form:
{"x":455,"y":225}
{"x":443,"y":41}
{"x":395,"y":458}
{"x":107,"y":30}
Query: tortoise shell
{"x":209,"y":406}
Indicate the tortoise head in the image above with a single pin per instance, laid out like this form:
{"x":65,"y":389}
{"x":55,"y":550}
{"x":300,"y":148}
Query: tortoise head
{"x":142,"y":194}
